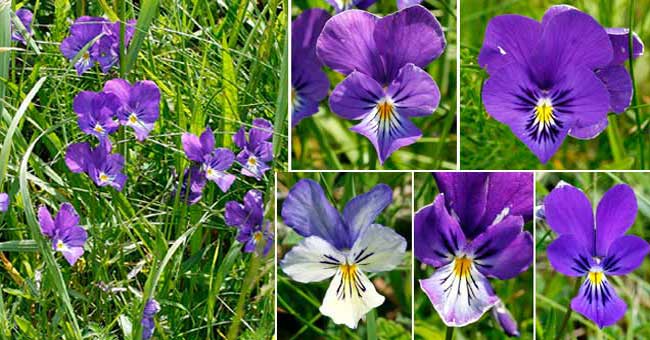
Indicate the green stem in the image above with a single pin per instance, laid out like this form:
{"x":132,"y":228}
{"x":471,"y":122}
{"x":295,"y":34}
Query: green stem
{"x":614,"y":137}
{"x":635,"y":99}
{"x":371,"y":325}
{"x":450,"y":333}
{"x":567,"y":315}
{"x":248,"y":283}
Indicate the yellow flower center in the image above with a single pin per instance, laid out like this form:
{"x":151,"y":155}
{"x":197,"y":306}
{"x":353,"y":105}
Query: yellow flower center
{"x":385,"y":110}
{"x":133,"y":118}
{"x":544,"y":111}
{"x":462,"y":266}
{"x":596,"y":277}
{"x":98,"y":128}
{"x":86,"y":55}
{"x":258,"y":236}
{"x":103,"y":177}
{"x":209,"y":171}
{"x":252,"y":161}
{"x":60,"y":245}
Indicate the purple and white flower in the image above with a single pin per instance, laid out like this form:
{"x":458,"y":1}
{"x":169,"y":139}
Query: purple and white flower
{"x":249,"y":219}
{"x":341,"y":246}
{"x":26,"y":17}
{"x":102,"y":166}
{"x":214,"y":162}
{"x":96,"y":113}
{"x":4,"y":202}
{"x":139,"y":104}
{"x":67,"y":236}
{"x":257,"y":150}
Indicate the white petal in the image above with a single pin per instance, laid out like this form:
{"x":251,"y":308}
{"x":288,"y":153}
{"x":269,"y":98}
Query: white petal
{"x":312,"y":260}
{"x":378,"y":249}
{"x":349,"y":297}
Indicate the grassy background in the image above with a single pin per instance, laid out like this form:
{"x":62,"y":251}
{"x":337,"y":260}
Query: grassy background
{"x":488,"y":144}
{"x":325,"y":141}
{"x":298,"y":303}
{"x":555,"y":291}
{"x":216,"y":62}
{"x":516,"y":294}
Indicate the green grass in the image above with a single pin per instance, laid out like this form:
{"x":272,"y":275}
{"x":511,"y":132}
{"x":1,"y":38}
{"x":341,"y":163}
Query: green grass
{"x":216,"y":65}
{"x":516,"y":293}
{"x":488,"y":144}
{"x":324,"y":141}
{"x":555,"y":291}
{"x":298,"y":303}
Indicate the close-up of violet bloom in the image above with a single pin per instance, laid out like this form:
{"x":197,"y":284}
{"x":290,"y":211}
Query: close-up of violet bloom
{"x":64,"y":231}
{"x":557,"y":77}
{"x":139,"y":104}
{"x":592,"y":247}
{"x":213,"y":161}
{"x":249,"y":219}
{"x":4,"y":202}
{"x":151,"y":308}
{"x":343,"y":247}
{"x":383,"y":61}
{"x":256,"y":149}
{"x":102,"y":166}
{"x":473,"y":231}
{"x":309,"y":83}
{"x":26,"y":17}
{"x":96,"y":113}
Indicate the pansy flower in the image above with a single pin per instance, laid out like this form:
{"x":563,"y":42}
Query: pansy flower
{"x":4,"y":202}
{"x":102,"y":166}
{"x":96,"y":113}
{"x":214,"y":161}
{"x":561,"y":76}
{"x":473,"y":231}
{"x":151,"y":308}
{"x":106,"y":50}
{"x":594,"y":248}
{"x":67,"y":236}
{"x":249,"y":219}
{"x":84,"y":30}
{"x":191,"y":190}
{"x":383,"y":60}
{"x":342,"y":5}
{"x":257,"y":150}
{"x":309,"y":84}
{"x":343,"y":247}
{"x":26,"y":17}
{"x":139,"y":104}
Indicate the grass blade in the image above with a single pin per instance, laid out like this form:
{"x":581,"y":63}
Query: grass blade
{"x":282,"y":103}
{"x":147,"y":12}
{"x":5,"y":44}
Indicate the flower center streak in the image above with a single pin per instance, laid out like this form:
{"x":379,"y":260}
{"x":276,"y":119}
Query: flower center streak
{"x":385,"y":110}
{"x":462,"y":266}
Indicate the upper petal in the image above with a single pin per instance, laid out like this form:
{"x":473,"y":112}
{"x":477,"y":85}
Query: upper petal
{"x":401,"y":4}
{"x":66,"y":218}
{"x":207,"y":141}
{"x":120,"y":88}
{"x":508,"y":194}
{"x":312,"y":260}
{"x":261,"y":131}
{"x":192,"y":147}
{"x":378,"y":249}
{"x":508,"y":38}
{"x":625,"y":255}
{"x":361,"y":211}
{"x":77,"y":157}
{"x":568,"y":212}
{"x":46,"y":221}
{"x":305,"y":30}
{"x":615,"y":214}
{"x":466,"y":197}
{"x":438,"y":237}
{"x":414,"y":92}
{"x":568,"y":256}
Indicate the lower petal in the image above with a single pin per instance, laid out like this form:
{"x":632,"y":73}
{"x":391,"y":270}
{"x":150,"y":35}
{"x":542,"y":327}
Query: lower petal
{"x":72,"y":254}
{"x":460,"y":295}
{"x":599,"y":303}
{"x":349,"y":297}
{"x":223,"y":179}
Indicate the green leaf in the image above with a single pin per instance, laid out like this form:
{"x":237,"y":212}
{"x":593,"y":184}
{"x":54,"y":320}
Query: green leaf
{"x":147,"y":13}
{"x":229,"y":98}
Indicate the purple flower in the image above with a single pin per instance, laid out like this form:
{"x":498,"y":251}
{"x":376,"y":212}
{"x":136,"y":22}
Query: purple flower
{"x":139,"y":104}
{"x":471,"y":232}
{"x":504,"y":318}
{"x":343,"y":5}
{"x":309,"y":84}
{"x":195,"y":180}
{"x":106,"y":51}
{"x":103,"y":167}
{"x":401,"y":4}
{"x":25,"y":16}
{"x":214,"y":161}
{"x":594,"y":248}
{"x":554,"y":78}
{"x":341,"y":246}
{"x":256,"y":151}
{"x":383,"y":60}
{"x":96,"y":113}
{"x":64,"y":231}
{"x":4,"y":202}
{"x":151,"y":308}
{"x":249,"y":218}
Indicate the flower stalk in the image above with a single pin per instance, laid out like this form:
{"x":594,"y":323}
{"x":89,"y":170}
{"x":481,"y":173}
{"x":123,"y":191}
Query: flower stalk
{"x":567,"y":315}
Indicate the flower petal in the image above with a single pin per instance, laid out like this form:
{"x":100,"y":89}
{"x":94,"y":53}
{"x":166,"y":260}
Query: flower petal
{"x":615,"y":214}
{"x":508,"y":38}
{"x":401,"y":4}
{"x":466,"y":198}
{"x":207,"y":141}
{"x":261,"y":131}
{"x":508,"y":194}
{"x":361,"y":211}
{"x":305,"y":30}
{"x":378,"y":249}
{"x":625,"y":254}
{"x":619,"y":85}
{"x":46,"y":222}
{"x":356,"y":96}
{"x":568,"y":256}
{"x":192,"y":147}
{"x":311,"y":260}
{"x":72,"y":254}
{"x":568,"y":212}
{"x":66,"y":218}
{"x":620,"y":39}
{"x":589,"y":131}
{"x":414,"y":92}
{"x":4,"y":202}
{"x":307,"y":211}
{"x":599,"y":303}
{"x":460,"y":295}
{"x":309,"y":85}
{"x":438,"y":237}
{"x":77,"y":157}
{"x":506,"y":321}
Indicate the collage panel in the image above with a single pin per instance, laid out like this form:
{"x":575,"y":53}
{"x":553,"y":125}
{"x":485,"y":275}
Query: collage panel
{"x":344,"y":255}
{"x":473,"y":255}
{"x":549,"y":85}
{"x":591,"y":248}
{"x":373,"y":85}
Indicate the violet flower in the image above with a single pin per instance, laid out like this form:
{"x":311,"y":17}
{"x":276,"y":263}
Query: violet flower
{"x":256,"y":151}
{"x":471,"y":232}
{"x":309,"y":84}
{"x":194,"y":180}
{"x":96,"y":113}
{"x":139,"y":104}
{"x":26,"y":17}
{"x":554,"y":78}
{"x":249,"y":219}
{"x":341,"y":246}
{"x":383,"y":60}
{"x":214,"y":161}
{"x":151,"y":308}
{"x":103,"y":167}
{"x":4,"y":202}
{"x":594,"y":248}
{"x":67,"y":236}
{"x":343,"y":5}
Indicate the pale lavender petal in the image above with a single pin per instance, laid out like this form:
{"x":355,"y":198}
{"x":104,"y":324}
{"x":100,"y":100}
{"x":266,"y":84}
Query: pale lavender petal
{"x":4,"y":202}
{"x":506,"y":321}
{"x":615,"y":214}
{"x":72,"y":254}
{"x":438,"y":237}
{"x":401,"y":4}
